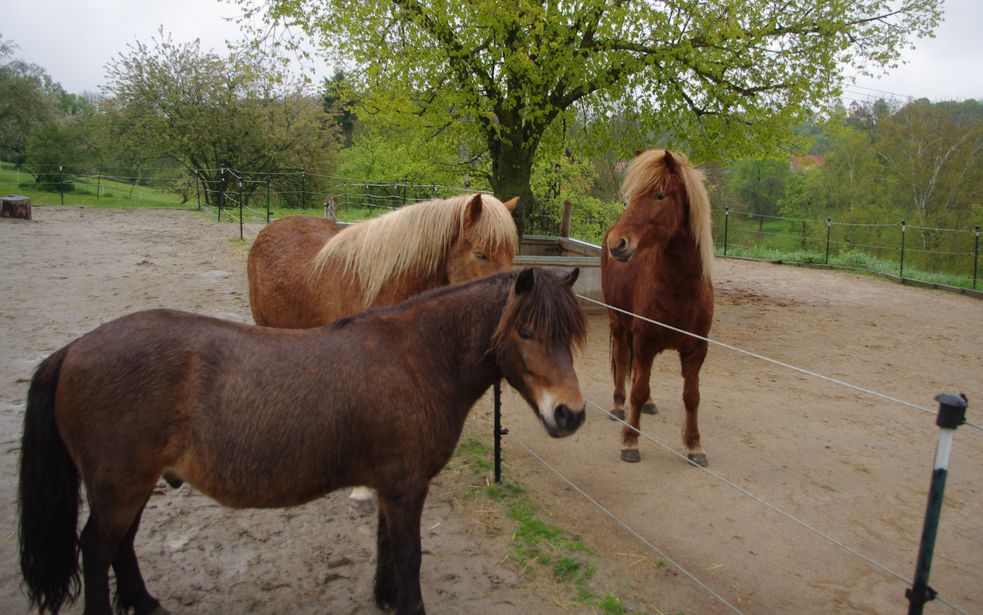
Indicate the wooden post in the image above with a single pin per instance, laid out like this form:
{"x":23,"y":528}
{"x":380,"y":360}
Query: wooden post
{"x":565,"y":221}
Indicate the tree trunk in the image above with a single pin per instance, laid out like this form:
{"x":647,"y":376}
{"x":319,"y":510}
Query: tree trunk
{"x":14,"y":206}
{"x":512,"y":161}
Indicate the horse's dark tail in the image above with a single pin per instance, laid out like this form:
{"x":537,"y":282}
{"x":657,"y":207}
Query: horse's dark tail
{"x":48,"y":498}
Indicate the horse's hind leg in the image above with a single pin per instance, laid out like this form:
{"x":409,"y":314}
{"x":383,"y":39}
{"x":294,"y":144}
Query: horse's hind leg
{"x":691,"y":362}
{"x":107,"y":539}
{"x":131,"y":592}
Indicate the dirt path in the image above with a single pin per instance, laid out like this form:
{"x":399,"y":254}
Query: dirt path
{"x":853,"y":467}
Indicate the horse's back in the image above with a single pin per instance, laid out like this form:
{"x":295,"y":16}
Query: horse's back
{"x":279,"y":266}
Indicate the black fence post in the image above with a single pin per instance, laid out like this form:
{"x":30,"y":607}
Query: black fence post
{"x":303,"y":189}
{"x":952,"y":414}
{"x":726,"y":223}
{"x":976,"y":256}
{"x":98,"y":183}
{"x":240,"y":209}
{"x":903,"y":227}
{"x":267,"y":200}
{"x":61,"y":185}
{"x":221,"y":193}
{"x":499,"y":432}
{"x":829,"y":226}
{"x":198,"y":189}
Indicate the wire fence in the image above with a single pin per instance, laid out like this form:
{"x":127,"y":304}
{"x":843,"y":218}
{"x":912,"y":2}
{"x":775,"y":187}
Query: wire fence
{"x":935,"y":255}
{"x":948,"y":256}
{"x":609,"y":510}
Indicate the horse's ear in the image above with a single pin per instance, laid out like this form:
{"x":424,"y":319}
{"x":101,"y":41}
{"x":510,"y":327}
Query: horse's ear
{"x":525,"y":281}
{"x":511,"y":203}
{"x":571,"y":277}
{"x":669,"y":162}
{"x":638,"y":152}
{"x":473,"y":211}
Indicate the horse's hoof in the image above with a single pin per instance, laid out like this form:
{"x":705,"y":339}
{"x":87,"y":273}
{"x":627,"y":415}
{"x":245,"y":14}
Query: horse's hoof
{"x":361,"y":507}
{"x":698,"y":459}
{"x":631,"y":455}
{"x":649,"y":408}
{"x":616,"y":415}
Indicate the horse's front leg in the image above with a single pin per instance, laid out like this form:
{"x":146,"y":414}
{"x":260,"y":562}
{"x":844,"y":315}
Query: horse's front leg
{"x":397,"y":580}
{"x":640,"y":394}
{"x":691,"y":362}
{"x":620,"y":356}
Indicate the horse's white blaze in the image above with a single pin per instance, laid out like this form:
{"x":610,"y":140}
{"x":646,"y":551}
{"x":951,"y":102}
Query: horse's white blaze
{"x":547,"y":408}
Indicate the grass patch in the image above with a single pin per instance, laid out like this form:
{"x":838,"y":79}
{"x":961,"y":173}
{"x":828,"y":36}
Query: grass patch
{"x":539,"y":546}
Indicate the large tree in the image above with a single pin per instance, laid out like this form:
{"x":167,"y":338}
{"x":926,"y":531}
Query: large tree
{"x":207,"y":113}
{"x":25,"y":103}
{"x":726,"y":76}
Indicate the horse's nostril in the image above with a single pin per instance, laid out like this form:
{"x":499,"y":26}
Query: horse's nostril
{"x":622,"y":245}
{"x":563,"y":416}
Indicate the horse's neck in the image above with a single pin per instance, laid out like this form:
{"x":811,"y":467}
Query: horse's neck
{"x":457,"y":328}
{"x":678,"y":262}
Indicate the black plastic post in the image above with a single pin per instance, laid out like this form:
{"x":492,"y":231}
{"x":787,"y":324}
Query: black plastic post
{"x":221,"y":194}
{"x":952,"y":414}
{"x":499,"y":432}
{"x":61,"y":185}
{"x":198,"y":189}
{"x":726,"y":221}
{"x":829,"y":225}
{"x":303,"y":189}
{"x":267,"y":200}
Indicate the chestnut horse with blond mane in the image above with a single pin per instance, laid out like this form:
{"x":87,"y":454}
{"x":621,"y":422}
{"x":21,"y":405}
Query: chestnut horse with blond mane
{"x":656,"y":263}
{"x":307,"y":272}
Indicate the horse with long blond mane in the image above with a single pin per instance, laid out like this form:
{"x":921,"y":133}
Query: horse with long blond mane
{"x":656,"y":263}
{"x":307,"y":272}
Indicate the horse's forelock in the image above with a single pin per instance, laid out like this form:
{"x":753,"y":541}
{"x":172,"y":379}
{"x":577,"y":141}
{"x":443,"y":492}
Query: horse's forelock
{"x":549,"y":308}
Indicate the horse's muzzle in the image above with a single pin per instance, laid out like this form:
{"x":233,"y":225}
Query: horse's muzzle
{"x":566,"y":421}
{"x":621,"y":252}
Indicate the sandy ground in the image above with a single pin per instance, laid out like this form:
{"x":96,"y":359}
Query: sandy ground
{"x":853,"y":467}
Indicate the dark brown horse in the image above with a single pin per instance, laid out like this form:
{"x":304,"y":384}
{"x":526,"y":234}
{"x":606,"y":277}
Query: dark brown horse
{"x":656,"y":263}
{"x":307,"y":272}
{"x":262,"y":417}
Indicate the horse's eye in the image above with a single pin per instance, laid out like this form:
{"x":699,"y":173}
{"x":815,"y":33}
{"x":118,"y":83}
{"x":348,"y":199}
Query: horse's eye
{"x":659,"y":196}
{"x":478,"y":254}
{"x":525,"y":334}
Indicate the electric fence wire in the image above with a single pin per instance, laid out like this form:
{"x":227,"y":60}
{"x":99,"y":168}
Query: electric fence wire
{"x":776,"y":362}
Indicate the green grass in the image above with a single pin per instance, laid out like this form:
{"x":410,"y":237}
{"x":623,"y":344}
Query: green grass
{"x":538,"y":544}
{"x":91,"y":193}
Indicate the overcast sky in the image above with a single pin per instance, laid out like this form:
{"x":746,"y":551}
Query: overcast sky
{"x":74,"y":40}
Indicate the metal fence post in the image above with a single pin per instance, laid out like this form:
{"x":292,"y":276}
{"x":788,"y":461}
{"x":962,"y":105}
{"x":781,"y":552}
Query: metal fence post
{"x":499,"y":432}
{"x":61,"y":185}
{"x":240,"y":209}
{"x":726,"y":221}
{"x":221,"y":194}
{"x":198,"y":189}
{"x":829,"y":226}
{"x":903,"y":226}
{"x":267,"y":200}
{"x":952,"y":414}
{"x":976,"y":256}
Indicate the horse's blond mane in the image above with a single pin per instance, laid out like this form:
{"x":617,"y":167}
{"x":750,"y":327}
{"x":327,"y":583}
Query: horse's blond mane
{"x":647,"y":172}
{"x":413,"y":239}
